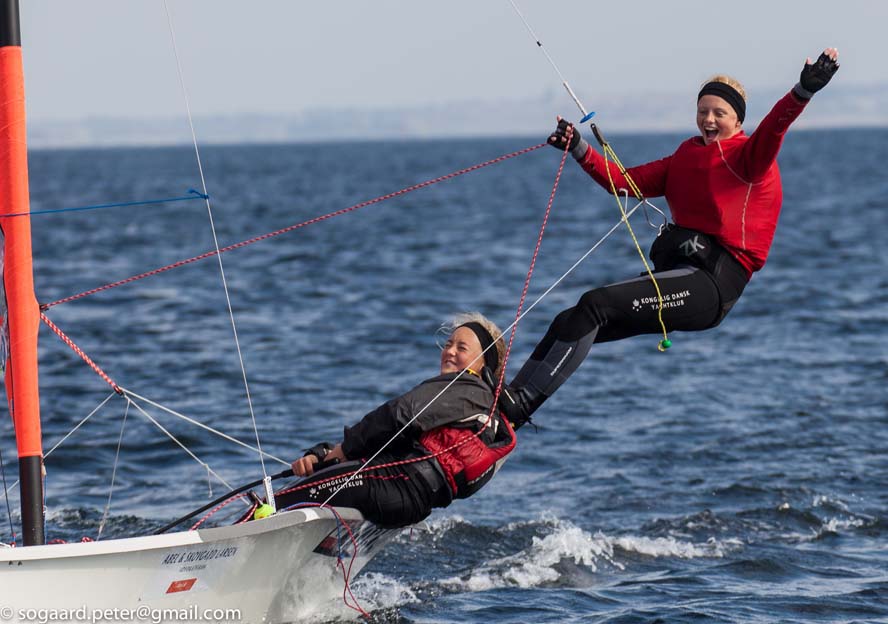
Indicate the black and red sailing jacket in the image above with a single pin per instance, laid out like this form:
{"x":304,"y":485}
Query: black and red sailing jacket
{"x":455,"y":415}
{"x":470,"y":456}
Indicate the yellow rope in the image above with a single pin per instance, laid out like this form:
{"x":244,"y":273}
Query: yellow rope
{"x":608,"y":151}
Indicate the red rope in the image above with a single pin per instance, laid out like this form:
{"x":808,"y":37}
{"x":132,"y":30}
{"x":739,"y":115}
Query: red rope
{"x":80,"y":352}
{"x":499,"y":385}
{"x":224,"y":503}
{"x":346,"y":573}
{"x":536,"y":252}
{"x":296,"y":226}
{"x":468,"y":437}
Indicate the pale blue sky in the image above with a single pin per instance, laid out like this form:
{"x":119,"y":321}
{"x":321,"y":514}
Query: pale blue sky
{"x":114,"y":57}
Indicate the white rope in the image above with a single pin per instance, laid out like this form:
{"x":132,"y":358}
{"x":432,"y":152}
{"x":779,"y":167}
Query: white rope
{"x":70,"y":433}
{"x":539,"y":43}
{"x":491,"y":345}
{"x":181,"y":445}
{"x":240,"y":356}
{"x":202,"y":426}
{"x":113,"y":475}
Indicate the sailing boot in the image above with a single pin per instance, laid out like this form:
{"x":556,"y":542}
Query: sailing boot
{"x":516,"y":406}
{"x":551,"y":363}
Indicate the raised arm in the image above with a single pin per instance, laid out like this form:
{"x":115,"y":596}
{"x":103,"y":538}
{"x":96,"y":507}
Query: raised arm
{"x":761,"y":150}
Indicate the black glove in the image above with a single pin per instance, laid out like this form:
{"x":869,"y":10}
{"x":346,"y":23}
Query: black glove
{"x":559,"y":137}
{"x":319,"y":450}
{"x":815,"y":76}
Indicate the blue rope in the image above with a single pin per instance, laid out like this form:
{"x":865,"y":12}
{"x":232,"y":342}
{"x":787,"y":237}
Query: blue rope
{"x":193,"y":194}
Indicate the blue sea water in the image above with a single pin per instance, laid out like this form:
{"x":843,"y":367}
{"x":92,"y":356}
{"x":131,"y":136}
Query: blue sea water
{"x":740,"y":477}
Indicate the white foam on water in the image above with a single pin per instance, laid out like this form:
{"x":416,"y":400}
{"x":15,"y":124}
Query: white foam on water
{"x":535,"y":565}
{"x":538,"y":564}
{"x":373,"y":592}
{"x":378,"y":591}
{"x":822,"y":500}
{"x":834,"y":524}
{"x":436,"y":527}
{"x":671,"y":547}
{"x":830,"y":525}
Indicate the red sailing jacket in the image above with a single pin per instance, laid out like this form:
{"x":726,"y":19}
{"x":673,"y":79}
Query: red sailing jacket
{"x":729,"y":189}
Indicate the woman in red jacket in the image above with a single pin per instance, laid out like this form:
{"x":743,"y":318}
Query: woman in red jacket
{"x":723,"y":189}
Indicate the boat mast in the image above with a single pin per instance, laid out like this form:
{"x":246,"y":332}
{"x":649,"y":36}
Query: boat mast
{"x":22,"y":312}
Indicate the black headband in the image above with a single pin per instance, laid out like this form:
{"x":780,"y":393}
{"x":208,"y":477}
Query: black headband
{"x":729,"y":94}
{"x":491,"y":357}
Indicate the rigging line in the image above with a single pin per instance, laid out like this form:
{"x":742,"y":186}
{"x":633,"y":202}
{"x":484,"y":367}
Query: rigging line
{"x":296,"y":226}
{"x":8,"y":507}
{"x":113,"y":476}
{"x":515,"y":322}
{"x":195,"y":194}
{"x":225,"y":436}
{"x":174,"y":439}
{"x":508,"y":350}
{"x":536,"y":251}
{"x":461,"y":373}
{"x":203,"y":182}
{"x":665,"y":343}
{"x":570,"y":92}
{"x":70,"y":433}
{"x":626,"y":215}
{"x":64,"y":337}
{"x":215,"y":509}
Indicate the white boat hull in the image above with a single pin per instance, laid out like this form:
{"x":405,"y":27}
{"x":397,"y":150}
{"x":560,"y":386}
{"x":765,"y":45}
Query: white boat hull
{"x":278,"y":569}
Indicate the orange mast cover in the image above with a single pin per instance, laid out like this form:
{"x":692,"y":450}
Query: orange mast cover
{"x":18,"y":279}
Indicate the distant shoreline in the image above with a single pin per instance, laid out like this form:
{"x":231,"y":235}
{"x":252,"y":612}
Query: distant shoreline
{"x":136,"y":142}
{"x":859,"y":107}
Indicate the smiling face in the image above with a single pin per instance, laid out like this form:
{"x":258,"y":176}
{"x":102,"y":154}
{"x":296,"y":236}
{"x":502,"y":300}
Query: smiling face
{"x":716,"y":119}
{"x":462,"y":350}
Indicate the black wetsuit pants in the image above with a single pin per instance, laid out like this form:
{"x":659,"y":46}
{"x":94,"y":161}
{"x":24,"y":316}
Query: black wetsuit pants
{"x":698,"y":290}
{"x":391,"y":497}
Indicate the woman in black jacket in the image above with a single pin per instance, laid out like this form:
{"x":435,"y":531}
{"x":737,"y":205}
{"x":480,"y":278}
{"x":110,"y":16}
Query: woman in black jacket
{"x":426,"y":447}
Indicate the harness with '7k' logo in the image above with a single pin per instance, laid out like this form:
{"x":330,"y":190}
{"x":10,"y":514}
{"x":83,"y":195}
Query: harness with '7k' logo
{"x":692,"y":246}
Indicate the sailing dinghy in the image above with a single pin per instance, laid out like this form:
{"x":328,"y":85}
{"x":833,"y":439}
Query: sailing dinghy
{"x":278,"y":568}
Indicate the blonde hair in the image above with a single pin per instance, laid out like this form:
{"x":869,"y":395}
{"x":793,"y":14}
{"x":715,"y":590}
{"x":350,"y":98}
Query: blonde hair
{"x":450,"y":325}
{"x":728,"y":80}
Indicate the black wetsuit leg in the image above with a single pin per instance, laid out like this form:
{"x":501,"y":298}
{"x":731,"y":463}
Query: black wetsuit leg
{"x":391,"y":497}
{"x":691,"y":301}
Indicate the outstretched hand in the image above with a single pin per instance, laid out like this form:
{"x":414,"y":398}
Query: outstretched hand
{"x":563,"y":132}
{"x":816,"y":75}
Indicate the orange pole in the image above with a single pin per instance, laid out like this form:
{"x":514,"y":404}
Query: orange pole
{"x":18,"y":281}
